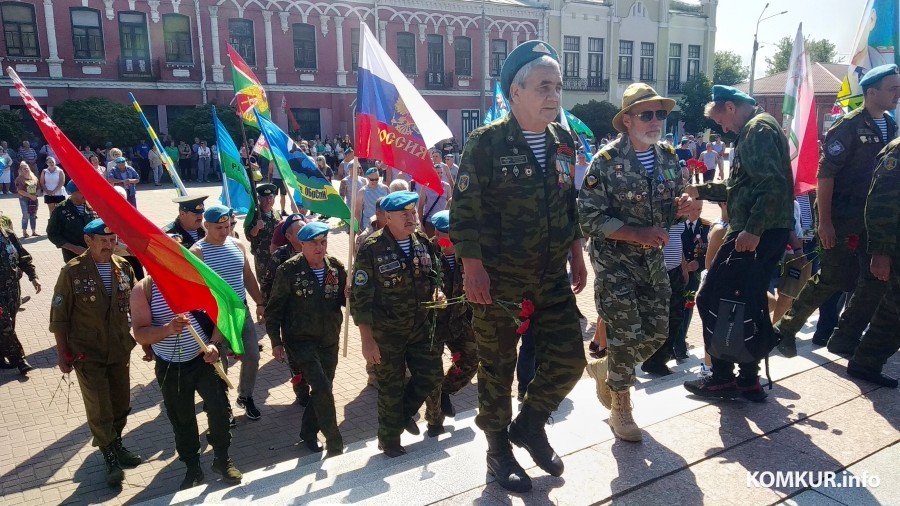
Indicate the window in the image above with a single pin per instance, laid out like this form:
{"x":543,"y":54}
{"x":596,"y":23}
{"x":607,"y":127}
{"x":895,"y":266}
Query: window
{"x":435,"y":53}
{"x":20,"y":31}
{"x":177,"y":34}
{"x":406,"y":52}
{"x":595,"y":62}
{"x":674,"y":74}
{"x":626,"y":47}
{"x":87,"y":36}
{"x":309,"y":121}
{"x":648,"y":50}
{"x":498,"y":56}
{"x":354,"y":49}
{"x":304,"y":46}
{"x":133,"y":36}
{"x":471,"y":119}
{"x":240,"y":36}
{"x":693,"y":62}
{"x":571,"y":56}
{"x":463,"y":56}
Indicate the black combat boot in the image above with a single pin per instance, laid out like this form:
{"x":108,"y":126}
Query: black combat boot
{"x":223,"y":465}
{"x":114,"y":472}
{"x":126,"y":458}
{"x":502,"y":465}
{"x":193,"y":476}
{"x":527,"y":431}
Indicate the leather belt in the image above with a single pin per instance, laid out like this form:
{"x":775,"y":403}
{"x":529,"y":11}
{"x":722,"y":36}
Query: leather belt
{"x":632,"y":244}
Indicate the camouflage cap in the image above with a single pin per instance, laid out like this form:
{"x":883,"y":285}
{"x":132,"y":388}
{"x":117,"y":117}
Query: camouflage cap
{"x":521,"y":55}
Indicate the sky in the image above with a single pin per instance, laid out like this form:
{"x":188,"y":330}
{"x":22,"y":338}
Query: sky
{"x":835,"y":20}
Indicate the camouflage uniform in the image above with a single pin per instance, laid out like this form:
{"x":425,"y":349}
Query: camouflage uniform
{"x":760,"y":197}
{"x":388,"y":290}
{"x":848,"y":157}
{"x":14,"y":261}
{"x":520,"y":220}
{"x":66,"y":225}
{"x":305,"y":317}
{"x":453,"y":329}
{"x":882,"y":216}
{"x":631,"y":286}
{"x":267,"y":280}
{"x":259,"y":245}
{"x":99,"y":326}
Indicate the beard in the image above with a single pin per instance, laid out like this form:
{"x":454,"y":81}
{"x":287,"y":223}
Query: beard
{"x":647,"y":138}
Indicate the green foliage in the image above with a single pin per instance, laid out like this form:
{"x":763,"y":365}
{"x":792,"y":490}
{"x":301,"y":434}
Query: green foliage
{"x":198,"y":123}
{"x":822,"y":51}
{"x":96,"y":121}
{"x":11,"y":129}
{"x":697,"y":93}
{"x":597,"y":116}
{"x":729,"y":69}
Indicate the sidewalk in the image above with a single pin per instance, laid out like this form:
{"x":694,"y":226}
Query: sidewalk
{"x":693,"y":452}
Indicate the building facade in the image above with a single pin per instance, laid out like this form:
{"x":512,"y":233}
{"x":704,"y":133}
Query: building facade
{"x":605,"y":45}
{"x":172,"y":53}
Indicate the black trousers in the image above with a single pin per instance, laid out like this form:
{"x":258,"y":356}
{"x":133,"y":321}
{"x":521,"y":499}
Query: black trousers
{"x":179,"y":382}
{"x":769,"y":252}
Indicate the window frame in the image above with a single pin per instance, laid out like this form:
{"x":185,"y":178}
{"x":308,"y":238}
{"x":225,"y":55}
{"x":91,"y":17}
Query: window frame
{"x":431,"y":42}
{"x":354,"y":49}
{"x":571,"y":56}
{"x":249,"y":57}
{"x":496,"y":59}
{"x":595,"y":62}
{"x":626,"y":60}
{"x":406,"y":54}
{"x":189,"y":58}
{"x":311,"y":49}
{"x":648,"y":60}
{"x":8,"y":33}
{"x":674,"y":58}
{"x":87,"y":36}
{"x":145,"y":39}
{"x":693,"y":62}
{"x":466,"y":68}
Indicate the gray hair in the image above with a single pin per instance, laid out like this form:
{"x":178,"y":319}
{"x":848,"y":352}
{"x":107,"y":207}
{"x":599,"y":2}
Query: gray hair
{"x":543,"y":61}
{"x":398,"y":185}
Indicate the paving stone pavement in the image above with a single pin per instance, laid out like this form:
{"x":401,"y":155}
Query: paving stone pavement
{"x":46,"y":456}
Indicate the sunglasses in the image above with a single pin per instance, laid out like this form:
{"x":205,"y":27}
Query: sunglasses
{"x":373,"y":179}
{"x":647,"y":116}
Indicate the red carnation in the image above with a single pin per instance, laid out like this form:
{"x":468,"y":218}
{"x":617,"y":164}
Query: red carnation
{"x":689,"y":304}
{"x":297,"y":379}
{"x":523,"y":328}
{"x":852,"y":242}
{"x":527,"y":310}
{"x":456,"y":356}
{"x":455,"y":370}
{"x":443,"y":242}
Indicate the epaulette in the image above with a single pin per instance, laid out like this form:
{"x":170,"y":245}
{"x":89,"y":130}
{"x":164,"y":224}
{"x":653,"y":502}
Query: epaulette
{"x":667,"y":147}
{"x":608,"y":153}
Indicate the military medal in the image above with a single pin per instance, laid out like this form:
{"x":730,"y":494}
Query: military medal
{"x":516,"y":171}
{"x":630,"y":195}
{"x":528,"y":171}
{"x":515,"y":151}
{"x":504,"y":170}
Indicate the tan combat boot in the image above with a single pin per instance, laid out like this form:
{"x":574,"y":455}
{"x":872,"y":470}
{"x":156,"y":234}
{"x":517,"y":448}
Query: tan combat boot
{"x":620,"y":420}
{"x":598,"y":370}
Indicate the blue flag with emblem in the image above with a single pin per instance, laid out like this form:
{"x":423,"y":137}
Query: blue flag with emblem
{"x":236,"y":190}
{"x":499,"y":106}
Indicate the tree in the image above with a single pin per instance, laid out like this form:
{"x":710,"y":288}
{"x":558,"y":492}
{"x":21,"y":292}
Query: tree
{"x":198,"y":123}
{"x":597,"y":116}
{"x":11,"y":129}
{"x":697,"y":93}
{"x":96,"y":121}
{"x":821,"y":50}
{"x":730,"y":69}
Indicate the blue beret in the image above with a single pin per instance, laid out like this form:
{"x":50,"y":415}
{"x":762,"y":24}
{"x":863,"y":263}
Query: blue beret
{"x":521,"y":55}
{"x":266,"y":189}
{"x":877,"y":74}
{"x":312,"y":231}
{"x":97,"y":227}
{"x":218,"y":214}
{"x":290,"y":220}
{"x":71,"y":187}
{"x":729,"y":94}
{"x":121,"y":159}
{"x":398,"y":201}
{"x":441,"y":220}
{"x":373,"y":170}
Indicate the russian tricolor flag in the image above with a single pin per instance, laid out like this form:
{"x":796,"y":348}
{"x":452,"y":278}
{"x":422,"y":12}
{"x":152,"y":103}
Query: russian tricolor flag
{"x":394,"y":123}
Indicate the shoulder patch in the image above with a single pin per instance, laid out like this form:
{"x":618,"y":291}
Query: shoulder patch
{"x":360,"y":278}
{"x":463,"y":183}
{"x":890,"y":163}
{"x":591,"y":181}
{"x":57,"y":300}
{"x":835,"y":148}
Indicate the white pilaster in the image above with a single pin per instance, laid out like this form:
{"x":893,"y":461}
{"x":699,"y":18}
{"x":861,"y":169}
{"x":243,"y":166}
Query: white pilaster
{"x":339,"y":35}
{"x":382,"y":33}
{"x":270,"y":51}
{"x":53,"y":61}
{"x":217,"y":67}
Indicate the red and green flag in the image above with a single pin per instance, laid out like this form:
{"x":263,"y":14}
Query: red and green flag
{"x":186,"y":283}
{"x":249,"y":94}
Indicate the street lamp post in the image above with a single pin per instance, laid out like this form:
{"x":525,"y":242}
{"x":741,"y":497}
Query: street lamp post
{"x":756,"y":45}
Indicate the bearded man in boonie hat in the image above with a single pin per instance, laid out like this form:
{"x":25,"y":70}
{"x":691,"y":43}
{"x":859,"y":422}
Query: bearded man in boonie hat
{"x":631,"y":195}
{"x":514,"y":226}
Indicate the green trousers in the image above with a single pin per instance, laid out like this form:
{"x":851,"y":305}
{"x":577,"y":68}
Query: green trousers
{"x":106,"y":390}
{"x":318,"y":364}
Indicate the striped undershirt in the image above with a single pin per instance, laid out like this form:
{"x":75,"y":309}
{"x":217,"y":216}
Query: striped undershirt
{"x":882,"y":125}
{"x":806,"y":217}
{"x":227,"y":261}
{"x":105,"y":271}
{"x":80,"y":208}
{"x":320,"y":275}
{"x":538,"y":144}
{"x":451,"y":261}
{"x":177,"y":348}
{"x":673,"y":252}
{"x":405,"y":245}
{"x":647,"y":159}
{"x":195,"y":234}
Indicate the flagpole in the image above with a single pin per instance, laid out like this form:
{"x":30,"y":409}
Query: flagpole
{"x":224,"y":179}
{"x":290,"y":197}
{"x":205,"y":349}
{"x":351,"y":233}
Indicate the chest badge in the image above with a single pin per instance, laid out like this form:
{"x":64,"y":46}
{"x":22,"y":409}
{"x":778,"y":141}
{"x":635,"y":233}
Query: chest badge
{"x":516,"y":171}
